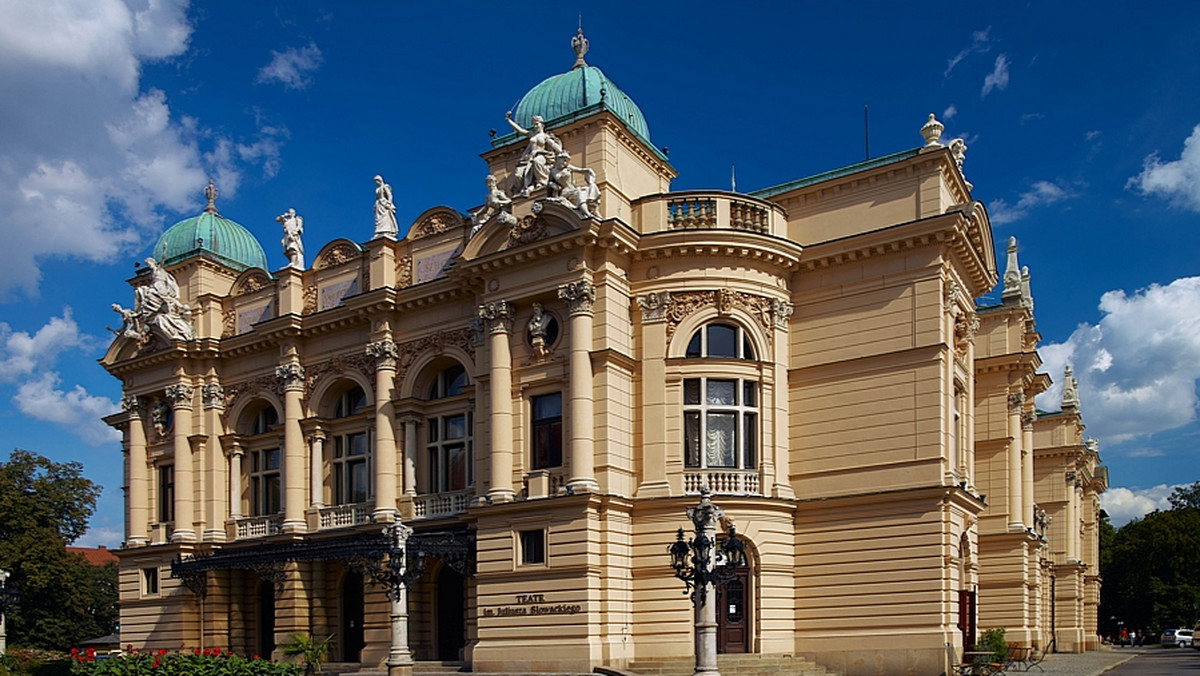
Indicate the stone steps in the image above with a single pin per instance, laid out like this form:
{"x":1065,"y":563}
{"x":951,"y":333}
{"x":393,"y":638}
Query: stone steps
{"x":735,"y":665}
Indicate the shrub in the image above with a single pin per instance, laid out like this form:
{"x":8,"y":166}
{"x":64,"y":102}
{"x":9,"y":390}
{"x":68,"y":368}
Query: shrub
{"x":992,"y":640}
{"x":197,"y":662}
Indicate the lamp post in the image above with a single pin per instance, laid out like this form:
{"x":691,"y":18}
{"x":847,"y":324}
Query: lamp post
{"x":702,"y":563}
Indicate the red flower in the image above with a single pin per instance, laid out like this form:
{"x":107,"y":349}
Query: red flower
{"x":129,"y":647}
{"x":228,"y":653}
{"x":162,"y":651}
{"x":255,"y":656}
{"x":74,"y":652}
{"x":91,"y":652}
{"x":156,"y":663}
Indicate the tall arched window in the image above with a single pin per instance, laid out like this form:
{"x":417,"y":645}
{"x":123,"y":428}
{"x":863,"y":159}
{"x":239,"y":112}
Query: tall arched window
{"x":351,"y":451}
{"x":720,"y":410}
{"x":263,"y":471}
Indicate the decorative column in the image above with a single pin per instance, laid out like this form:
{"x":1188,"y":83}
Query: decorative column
{"x":579,"y":297}
{"x":384,"y":352}
{"x":1016,"y":402}
{"x":180,"y":397}
{"x":291,"y":377}
{"x":411,"y":453}
{"x":1027,"y":467}
{"x":235,"y":453}
{"x":654,"y":411}
{"x":316,"y":468}
{"x":777,"y":472}
{"x":4,"y":575}
{"x":498,"y":318}
{"x":136,"y":532}
{"x":399,"y":659}
{"x":212,"y":397}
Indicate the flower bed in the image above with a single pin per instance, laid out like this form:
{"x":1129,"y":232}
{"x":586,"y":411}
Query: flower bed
{"x":197,"y":662}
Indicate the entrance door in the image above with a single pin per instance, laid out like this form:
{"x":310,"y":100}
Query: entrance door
{"x":266,"y":619}
{"x":733,"y":614}
{"x":352,"y":617}
{"x":451,"y":619}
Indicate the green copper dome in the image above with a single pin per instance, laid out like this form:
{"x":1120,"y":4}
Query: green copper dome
{"x":581,"y":91}
{"x":211,"y":236}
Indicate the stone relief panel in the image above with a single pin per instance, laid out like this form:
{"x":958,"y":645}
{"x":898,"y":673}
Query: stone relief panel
{"x":681,"y":304}
{"x":336,"y":255}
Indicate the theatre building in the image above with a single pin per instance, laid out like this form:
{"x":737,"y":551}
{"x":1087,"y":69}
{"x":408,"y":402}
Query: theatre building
{"x":474,"y":441}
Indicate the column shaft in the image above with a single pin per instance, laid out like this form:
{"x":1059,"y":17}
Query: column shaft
{"x":498,"y":317}
{"x":185,"y":517}
{"x":385,"y":444}
{"x":137,"y":531}
{"x":1027,"y":471}
{"x":582,"y":416}
{"x":235,"y":484}
{"x":1015,"y":501}
{"x":292,"y":376}
{"x":316,"y":470}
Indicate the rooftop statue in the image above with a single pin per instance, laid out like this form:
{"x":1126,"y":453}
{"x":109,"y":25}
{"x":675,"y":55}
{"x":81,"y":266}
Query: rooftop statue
{"x":385,"y":210}
{"x":293,"y":247}
{"x":533,"y":169}
{"x":585,"y":200}
{"x":156,"y":310}
{"x":497,"y":205}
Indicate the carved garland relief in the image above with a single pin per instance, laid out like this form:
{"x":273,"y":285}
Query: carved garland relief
{"x":680,"y":305}
{"x":336,"y":256}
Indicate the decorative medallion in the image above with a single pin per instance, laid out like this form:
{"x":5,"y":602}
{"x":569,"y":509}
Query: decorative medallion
{"x":337,"y":255}
{"x":527,"y":230}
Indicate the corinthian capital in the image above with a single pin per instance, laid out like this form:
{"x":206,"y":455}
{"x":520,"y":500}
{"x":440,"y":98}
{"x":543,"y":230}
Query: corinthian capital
{"x":384,"y":352}
{"x":497,"y":316}
{"x":781,"y":312}
{"x":1016,"y":400}
{"x":131,"y":405}
{"x":579,"y":296}
{"x":291,"y":376}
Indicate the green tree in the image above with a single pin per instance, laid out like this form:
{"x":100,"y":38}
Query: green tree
{"x":1185,"y":497}
{"x":45,"y":506}
{"x":1150,"y":569}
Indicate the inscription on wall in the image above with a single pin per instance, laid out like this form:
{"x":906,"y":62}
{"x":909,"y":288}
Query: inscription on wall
{"x":532,"y":604}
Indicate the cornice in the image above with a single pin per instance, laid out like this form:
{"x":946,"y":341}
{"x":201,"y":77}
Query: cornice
{"x":727,"y":243}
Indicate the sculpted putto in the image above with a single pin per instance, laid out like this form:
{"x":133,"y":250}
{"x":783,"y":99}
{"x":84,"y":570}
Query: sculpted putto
{"x":497,"y":204}
{"x":385,"y":210}
{"x":585,"y":199}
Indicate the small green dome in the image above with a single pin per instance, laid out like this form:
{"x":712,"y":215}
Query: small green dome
{"x":581,"y":91}
{"x":212,"y":236}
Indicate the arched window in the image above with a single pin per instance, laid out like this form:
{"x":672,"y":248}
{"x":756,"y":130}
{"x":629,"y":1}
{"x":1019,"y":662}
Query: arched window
{"x":720,"y":412}
{"x":450,"y":437}
{"x":264,"y":469}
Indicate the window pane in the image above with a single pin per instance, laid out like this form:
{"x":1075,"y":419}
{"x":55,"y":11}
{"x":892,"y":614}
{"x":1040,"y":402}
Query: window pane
{"x":748,"y":394}
{"x":547,"y":406}
{"x":432,"y":426}
{"x":456,"y":380}
{"x":358,"y":444}
{"x":456,"y":427}
{"x":358,"y":481}
{"x":721,"y":439}
{"x":751,"y":443}
{"x":691,"y":391}
{"x":722,"y":392}
{"x":722,"y":341}
{"x":339,"y":484}
{"x":693,"y":348}
{"x":747,"y":349}
{"x":272,"y":459}
{"x":691,"y":439}
{"x":457,"y":465}
{"x":273,"y":494}
{"x":435,"y":474}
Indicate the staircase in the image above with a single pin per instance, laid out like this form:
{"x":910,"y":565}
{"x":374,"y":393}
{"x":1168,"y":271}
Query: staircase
{"x":744,"y":664}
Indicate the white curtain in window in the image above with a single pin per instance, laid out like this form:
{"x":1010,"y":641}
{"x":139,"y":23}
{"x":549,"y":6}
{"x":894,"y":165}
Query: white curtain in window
{"x":721,"y":442}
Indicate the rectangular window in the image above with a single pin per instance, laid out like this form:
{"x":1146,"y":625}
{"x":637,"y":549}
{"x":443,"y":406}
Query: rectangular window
{"x":720,"y":423}
{"x":265,"y":485}
{"x":450,"y":447}
{"x":351,"y":475}
{"x":547,"y":431}
{"x":533,"y":547}
{"x":149,"y":582}
{"x":166,"y":493}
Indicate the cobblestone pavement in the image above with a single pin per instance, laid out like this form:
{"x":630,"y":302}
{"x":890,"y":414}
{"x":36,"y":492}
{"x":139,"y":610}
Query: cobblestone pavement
{"x":1086,"y":664}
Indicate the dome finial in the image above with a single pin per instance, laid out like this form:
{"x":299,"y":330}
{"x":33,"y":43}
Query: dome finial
{"x":580,"y":45}
{"x":210,"y":193}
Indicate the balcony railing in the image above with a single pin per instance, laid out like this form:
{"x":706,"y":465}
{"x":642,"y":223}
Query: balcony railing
{"x":344,"y":516}
{"x":722,"y":481}
{"x":709,"y":210}
{"x":259,"y":526}
{"x":432,"y":505}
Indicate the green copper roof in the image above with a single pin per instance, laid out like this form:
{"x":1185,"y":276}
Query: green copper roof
{"x":767,"y":193}
{"x":211,"y":236}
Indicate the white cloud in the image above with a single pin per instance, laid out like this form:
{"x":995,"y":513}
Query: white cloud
{"x":980,"y":43}
{"x":292,"y":66}
{"x":89,"y":163}
{"x":1178,"y":180}
{"x":21,"y":353}
{"x":1041,"y":193}
{"x":1137,"y":369}
{"x":76,"y":409}
{"x":1093,"y":134}
{"x":998,"y":78}
{"x":94,"y":537}
{"x":1124,"y":505}
{"x":949,"y":113}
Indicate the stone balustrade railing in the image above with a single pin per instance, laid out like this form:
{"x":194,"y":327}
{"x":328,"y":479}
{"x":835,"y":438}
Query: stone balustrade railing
{"x":259,"y":526}
{"x":344,"y":516}
{"x":433,"y":505}
{"x":722,"y":481}
{"x":695,"y":210}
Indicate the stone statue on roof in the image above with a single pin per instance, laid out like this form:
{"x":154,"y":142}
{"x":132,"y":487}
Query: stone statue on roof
{"x":157,"y":311}
{"x":497,"y":205}
{"x":533,"y":168}
{"x":585,"y":199}
{"x":293,"y":247}
{"x":385,"y":210}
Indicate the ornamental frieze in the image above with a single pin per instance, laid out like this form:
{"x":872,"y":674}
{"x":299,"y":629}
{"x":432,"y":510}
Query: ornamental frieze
{"x":362,"y":363}
{"x":682,"y":304}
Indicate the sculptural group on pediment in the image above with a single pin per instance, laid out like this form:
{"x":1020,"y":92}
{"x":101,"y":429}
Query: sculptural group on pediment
{"x":157,"y":311}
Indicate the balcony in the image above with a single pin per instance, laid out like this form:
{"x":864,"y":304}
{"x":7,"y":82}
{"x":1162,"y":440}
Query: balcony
{"x":693,"y":210}
{"x":433,"y":505}
{"x":259,"y":526}
{"x":344,"y":516}
{"x":722,"y":481}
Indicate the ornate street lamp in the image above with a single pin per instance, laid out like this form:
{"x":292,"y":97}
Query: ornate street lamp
{"x":703,"y":563}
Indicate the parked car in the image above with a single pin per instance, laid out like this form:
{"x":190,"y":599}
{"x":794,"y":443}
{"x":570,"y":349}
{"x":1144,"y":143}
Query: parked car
{"x":1177,"y":637}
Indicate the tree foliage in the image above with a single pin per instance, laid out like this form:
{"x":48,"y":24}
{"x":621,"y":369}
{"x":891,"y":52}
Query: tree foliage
{"x":45,"y":506}
{"x":1149,"y":567}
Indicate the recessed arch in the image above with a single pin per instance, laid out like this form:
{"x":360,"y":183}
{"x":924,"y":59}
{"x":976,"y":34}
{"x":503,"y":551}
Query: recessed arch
{"x":323,"y":401}
{"x":415,"y":380}
{"x":247,"y":404}
{"x":735,"y":316}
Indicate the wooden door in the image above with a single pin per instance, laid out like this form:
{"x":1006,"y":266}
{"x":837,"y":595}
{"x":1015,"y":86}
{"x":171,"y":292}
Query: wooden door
{"x":733,"y":614}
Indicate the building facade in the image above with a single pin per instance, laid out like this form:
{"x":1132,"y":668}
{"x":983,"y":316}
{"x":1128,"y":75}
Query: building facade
{"x":530,"y":396}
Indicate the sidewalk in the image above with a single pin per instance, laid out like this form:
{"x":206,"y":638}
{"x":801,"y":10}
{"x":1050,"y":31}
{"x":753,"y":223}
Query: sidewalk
{"x":1087,"y":664}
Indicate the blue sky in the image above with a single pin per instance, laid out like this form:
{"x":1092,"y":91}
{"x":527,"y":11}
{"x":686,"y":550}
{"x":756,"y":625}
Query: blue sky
{"x":1082,"y":122}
